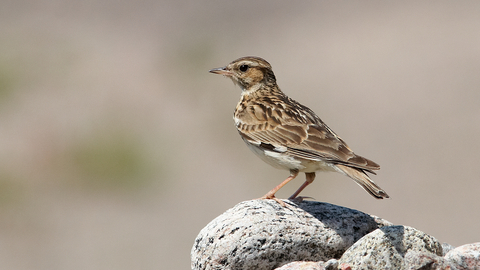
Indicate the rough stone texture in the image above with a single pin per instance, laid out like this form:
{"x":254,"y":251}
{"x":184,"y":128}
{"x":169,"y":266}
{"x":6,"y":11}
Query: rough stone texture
{"x":382,"y":222}
{"x":385,"y":248}
{"x":329,"y":265}
{"x":262,"y":234}
{"x":302,"y":266}
{"x":424,"y":260}
{"x":446,"y":248}
{"x":465,"y":257}
{"x":344,"y":266}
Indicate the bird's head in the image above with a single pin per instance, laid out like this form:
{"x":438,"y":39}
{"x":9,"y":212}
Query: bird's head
{"x":250,"y":73}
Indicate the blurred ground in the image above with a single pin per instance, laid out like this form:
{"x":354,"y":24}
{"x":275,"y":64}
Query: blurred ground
{"x":117,"y":146}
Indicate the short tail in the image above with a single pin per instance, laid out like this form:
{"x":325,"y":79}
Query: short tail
{"x":362,"y":179}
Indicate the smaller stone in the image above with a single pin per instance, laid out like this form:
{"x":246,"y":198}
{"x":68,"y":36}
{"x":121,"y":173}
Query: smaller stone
{"x":385,"y":248}
{"x":328,"y":265}
{"x":331,"y":264}
{"x":465,"y":257}
{"x":424,"y":260}
{"x":446,"y":248}
{"x":303,"y":266}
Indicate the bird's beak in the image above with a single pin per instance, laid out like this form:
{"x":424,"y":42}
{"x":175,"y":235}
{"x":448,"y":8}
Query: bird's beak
{"x":221,"y":71}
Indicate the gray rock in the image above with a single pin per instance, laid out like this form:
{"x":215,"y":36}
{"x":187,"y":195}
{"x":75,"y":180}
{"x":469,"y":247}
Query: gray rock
{"x":424,"y":260}
{"x":446,"y":247}
{"x":385,"y":248}
{"x":302,"y":266}
{"x":329,"y":265}
{"x":465,"y":257}
{"x":262,"y":234}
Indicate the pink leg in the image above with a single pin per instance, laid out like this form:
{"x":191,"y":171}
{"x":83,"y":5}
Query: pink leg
{"x":310,"y":177}
{"x":271,"y":193}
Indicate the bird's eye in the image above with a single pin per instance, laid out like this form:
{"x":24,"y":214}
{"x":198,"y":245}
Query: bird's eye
{"x":244,"y":68}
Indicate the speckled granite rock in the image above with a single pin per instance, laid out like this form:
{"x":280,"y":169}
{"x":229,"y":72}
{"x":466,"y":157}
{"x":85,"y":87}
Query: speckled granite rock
{"x":465,"y":257}
{"x":261,"y":234}
{"x":329,"y":265}
{"x":424,"y":260}
{"x":385,"y":248}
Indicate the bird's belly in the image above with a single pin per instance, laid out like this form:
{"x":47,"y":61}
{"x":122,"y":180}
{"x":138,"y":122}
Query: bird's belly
{"x":286,"y":162}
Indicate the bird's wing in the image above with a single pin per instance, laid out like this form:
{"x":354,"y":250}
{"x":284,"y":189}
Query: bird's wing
{"x":297,"y":132}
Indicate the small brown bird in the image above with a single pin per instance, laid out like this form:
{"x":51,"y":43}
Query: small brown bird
{"x":287,"y":134}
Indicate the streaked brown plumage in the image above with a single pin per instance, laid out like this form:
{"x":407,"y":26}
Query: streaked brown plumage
{"x":288,"y":135}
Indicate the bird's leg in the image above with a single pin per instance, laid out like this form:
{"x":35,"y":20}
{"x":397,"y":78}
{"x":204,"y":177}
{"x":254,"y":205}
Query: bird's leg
{"x":271,"y":193}
{"x":310,"y":177}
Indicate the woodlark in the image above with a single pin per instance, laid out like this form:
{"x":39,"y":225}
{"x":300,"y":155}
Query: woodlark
{"x":287,"y":134}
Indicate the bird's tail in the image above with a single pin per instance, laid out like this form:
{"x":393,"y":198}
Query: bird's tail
{"x":362,"y":179}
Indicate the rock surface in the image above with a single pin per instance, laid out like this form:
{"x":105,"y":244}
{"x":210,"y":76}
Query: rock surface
{"x":329,"y":265}
{"x":262,"y":234}
{"x":465,"y":257}
{"x":424,"y":260}
{"x":385,"y":248}
{"x":446,"y":248}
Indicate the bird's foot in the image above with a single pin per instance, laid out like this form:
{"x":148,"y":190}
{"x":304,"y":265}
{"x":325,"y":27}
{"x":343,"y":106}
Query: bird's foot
{"x":269,"y":196}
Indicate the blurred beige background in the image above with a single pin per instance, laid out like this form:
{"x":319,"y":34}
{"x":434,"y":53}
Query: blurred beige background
{"x":117,"y":146}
